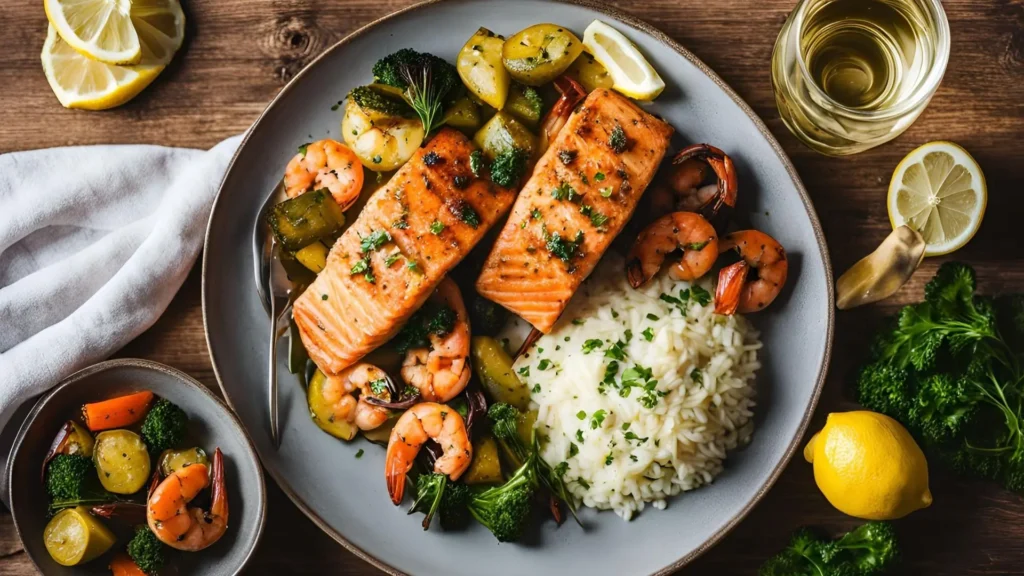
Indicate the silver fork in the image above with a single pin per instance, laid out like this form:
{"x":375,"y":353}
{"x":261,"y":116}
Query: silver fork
{"x":273,"y":286}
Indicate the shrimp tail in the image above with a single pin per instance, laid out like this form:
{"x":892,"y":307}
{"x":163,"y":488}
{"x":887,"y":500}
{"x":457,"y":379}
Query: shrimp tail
{"x":730,"y":286}
{"x":219,"y":493}
{"x":396,"y":484}
{"x":635,"y":273}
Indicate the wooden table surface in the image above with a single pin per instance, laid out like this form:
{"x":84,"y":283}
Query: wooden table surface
{"x":239,"y":53}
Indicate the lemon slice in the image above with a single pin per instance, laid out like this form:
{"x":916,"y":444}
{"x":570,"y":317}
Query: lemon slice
{"x":938,"y":190}
{"x":632,"y":74}
{"x":79,"y":82}
{"x":160,"y":25}
{"x":99,"y":29}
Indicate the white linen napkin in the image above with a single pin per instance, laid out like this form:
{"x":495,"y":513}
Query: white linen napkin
{"x":94,"y":243}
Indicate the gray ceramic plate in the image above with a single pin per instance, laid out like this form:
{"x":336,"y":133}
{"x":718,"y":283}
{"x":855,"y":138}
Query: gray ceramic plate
{"x":347,"y":497}
{"x":211,"y":424}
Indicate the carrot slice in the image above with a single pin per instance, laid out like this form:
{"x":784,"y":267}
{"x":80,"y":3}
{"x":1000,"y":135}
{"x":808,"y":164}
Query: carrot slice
{"x":117,"y":412}
{"x":122,"y":565}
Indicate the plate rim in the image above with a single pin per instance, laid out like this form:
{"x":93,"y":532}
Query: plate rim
{"x":147,"y":365}
{"x":636,"y":22}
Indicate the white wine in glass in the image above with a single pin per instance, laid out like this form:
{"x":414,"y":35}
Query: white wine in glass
{"x":851,"y":74}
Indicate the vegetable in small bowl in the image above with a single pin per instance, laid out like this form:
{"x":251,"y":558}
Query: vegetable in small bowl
{"x":79,"y":499}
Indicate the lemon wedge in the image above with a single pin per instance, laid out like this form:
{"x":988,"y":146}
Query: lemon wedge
{"x":632,"y":74}
{"x":81,"y":82}
{"x":938,"y":190}
{"x":99,"y":29}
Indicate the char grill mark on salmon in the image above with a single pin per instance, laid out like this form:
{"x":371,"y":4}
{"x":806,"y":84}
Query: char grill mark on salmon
{"x":411,"y":233}
{"x":581,"y":194}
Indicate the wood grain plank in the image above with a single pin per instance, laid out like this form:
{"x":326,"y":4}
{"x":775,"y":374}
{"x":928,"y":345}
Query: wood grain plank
{"x":239,"y":53}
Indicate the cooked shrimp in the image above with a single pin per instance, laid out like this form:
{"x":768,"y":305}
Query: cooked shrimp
{"x":686,"y":231}
{"x":181,"y":527}
{"x":422,"y":422}
{"x":325,"y":164}
{"x":442,"y":371}
{"x":340,"y":393}
{"x":684,"y":187}
{"x":571,"y":93}
{"x":739,"y":292}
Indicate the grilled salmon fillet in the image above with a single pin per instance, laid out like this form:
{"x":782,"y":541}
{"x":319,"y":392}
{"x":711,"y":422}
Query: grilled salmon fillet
{"x":582,"y":192}
{"x":385,"y":266}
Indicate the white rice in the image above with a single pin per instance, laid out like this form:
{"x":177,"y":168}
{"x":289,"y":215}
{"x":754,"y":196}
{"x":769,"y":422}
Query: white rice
{"x":699,"y":409}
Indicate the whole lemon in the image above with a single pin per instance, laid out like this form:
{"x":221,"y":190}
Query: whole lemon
{"x":867,"y":465}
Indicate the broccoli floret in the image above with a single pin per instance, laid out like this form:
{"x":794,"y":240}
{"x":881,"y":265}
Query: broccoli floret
{"x":504,"y":426}
{"x":369,"y":98}
{"x":426,"y":79}
{"x":436,"y":494}
{"x":164,"y":426}
{"x":146,"y":550}
{"x":508,"y":167}
{"x":505,"y":510}
{"x":67,"y":476}
{"x":867,"y":550}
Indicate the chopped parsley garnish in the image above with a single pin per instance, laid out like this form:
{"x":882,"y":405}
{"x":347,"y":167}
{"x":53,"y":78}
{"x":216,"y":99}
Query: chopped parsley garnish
{"x":536,"y":389}
{"x":373,"y":241}
{"x":437,"y":321}
{"x":362,"y":266}
{"x":652,"y":317}
{"x":436,"y":227}
{"x":599,"y":176}
{"x":323,"y":296}
{"x":431,"y":158}
{"x":524,"y":371}
{"x":564,"y":191}
{"x":579,"y":436}
{"x":536,"y":214}
{"x":303,"y":148}
{"x":605,"y":192}
{"x":359,"y":453}
{"x":617,"y":140}
{"x":477,"y":162}
{"x":413,"y":265}
{"x":578,"y":321}
{"x":696,"y":376}
{"x":596,"y":218}
{"x":391,"y":259}
{"x":608,"y":459}
{"x":467,"y":214}
{"x":544,"y":364}
{"x":400,"y":224}
{"x":563,"y":248}
{"x":700,"y":295}
{"x":597,"y":419}
{"x":592,"y":344}
{"x":573,"y":449}
{"x":632,"y":457}
{"x":581,"y":415}
{"x":648,"y":334}
{"x":378,"y":386}
{"x":583,"y":178}
{"x":561,"y":469}
{"x":584,"y":483}
{"x":616,"y":351}
{"x":567,"y":156}
{"x":695,"y":246}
